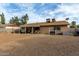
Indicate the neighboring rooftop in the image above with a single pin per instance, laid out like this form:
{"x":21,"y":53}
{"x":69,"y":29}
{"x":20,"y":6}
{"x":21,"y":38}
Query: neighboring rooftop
{"x":9,"y":25}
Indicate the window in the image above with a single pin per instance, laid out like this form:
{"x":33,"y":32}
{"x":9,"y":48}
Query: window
{"x":57,"y":28}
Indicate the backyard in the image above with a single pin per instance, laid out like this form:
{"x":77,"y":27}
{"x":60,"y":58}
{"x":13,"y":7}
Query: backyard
{"x":38,"y":45}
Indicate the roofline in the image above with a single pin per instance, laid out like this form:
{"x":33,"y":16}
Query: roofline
{"x":43,"y":24}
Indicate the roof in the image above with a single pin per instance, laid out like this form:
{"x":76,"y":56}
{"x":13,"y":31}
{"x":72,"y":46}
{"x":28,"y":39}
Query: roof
{"x":7,"y":25}
{"x":12,"y":25}
{"x":2,"y":25}
{"x":46,"y":24}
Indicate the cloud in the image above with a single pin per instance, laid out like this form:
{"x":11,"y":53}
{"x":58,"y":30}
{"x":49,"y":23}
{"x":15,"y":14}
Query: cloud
{"x":11,"y":10}
{"x":38,"y":12}
{"x":68,"y":10}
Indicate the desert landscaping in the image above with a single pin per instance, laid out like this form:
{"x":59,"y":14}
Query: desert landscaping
{"x":39,"y":30}
{"x":12,"y":44}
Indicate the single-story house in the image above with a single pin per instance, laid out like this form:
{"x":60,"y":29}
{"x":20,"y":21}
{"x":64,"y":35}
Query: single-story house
{"x":8,"y":27}
{"x":54,"y":27}
{"x":11,"y":27}
{"x":2,"y":27}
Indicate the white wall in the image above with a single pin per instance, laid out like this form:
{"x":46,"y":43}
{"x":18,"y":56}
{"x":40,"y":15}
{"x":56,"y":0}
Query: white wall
{"x":12,"y":27}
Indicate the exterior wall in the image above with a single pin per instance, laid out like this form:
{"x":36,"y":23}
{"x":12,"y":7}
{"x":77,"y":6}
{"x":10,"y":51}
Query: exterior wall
{"x":11,"y":29}
{"x":2,"y":30}
{"x":44,"y":30}
{"x":64,"y":28}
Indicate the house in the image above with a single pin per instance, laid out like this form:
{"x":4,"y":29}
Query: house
{"x":2,"y":27}
{"x":8,"y":27}
{"x":11,"y":28}
{"x":48,"y":27}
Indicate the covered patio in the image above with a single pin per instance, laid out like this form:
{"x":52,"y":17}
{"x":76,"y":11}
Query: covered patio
{"x":32,"y":29}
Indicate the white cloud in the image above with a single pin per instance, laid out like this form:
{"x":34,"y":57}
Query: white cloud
{"x":65,"y":10}
{"x":61,"y":12}
{"x":27,"y":8}
{"x":8,"y":14}
{"x":69,"y":10}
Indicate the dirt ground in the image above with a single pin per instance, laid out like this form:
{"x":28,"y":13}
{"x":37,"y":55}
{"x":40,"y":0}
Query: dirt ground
{"x":38,"y":45}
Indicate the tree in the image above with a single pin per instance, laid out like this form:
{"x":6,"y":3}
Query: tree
{"x":2,"y":19}
{"x":19,"y":21}
{"x":73,"y":24}
{"x":15,"y":20}
{"x":24,"y":19}
{"x":78,"y":26}
{"x":11,"y":20}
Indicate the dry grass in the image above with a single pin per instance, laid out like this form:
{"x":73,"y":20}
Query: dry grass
{"x":38,"y":44}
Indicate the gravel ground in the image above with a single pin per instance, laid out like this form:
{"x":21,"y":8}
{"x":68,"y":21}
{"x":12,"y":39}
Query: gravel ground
{"x":38,"y":45}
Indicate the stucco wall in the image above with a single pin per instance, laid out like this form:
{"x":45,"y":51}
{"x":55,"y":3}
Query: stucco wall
{"x":64,"y":28}
{"x":45,"y":30}
{"x":11,"y":29}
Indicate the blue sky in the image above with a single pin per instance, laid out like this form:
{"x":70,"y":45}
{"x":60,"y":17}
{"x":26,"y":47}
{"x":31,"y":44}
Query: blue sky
{"x":38,"y":12}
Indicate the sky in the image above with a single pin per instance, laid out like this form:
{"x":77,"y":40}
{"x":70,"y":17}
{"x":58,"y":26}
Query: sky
{"x":39,"y":12}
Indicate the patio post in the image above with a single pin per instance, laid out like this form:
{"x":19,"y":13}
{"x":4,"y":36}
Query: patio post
{"x":25,"y":30}
{"x":32,"y":30}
